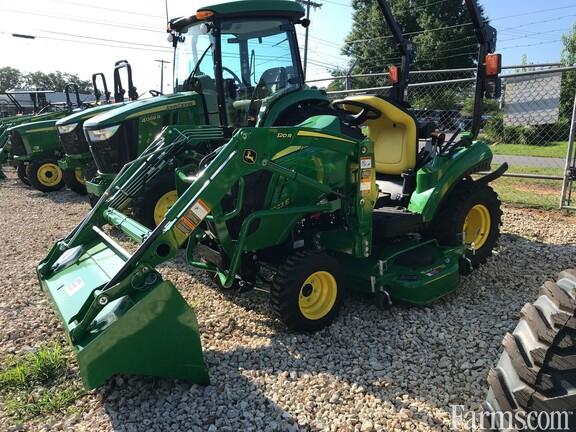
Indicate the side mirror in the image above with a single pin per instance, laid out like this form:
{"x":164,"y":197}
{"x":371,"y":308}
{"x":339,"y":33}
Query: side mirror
{"x":304,"y":22}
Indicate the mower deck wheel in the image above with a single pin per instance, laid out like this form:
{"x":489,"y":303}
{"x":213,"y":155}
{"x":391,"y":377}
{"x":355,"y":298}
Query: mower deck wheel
{"x":45,"y":175}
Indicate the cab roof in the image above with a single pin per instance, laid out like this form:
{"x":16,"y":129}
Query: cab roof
{"x":245,"y":8}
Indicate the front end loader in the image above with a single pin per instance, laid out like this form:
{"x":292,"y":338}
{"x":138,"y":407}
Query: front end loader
{"x":342,"y":202}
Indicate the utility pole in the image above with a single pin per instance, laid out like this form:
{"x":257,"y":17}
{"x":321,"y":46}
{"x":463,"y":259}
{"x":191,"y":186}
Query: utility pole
{"x":162,"y":62}
{"x":308,"y":4}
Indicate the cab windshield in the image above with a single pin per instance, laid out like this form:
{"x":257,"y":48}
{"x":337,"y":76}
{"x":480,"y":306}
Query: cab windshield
{"x":259,"y":62}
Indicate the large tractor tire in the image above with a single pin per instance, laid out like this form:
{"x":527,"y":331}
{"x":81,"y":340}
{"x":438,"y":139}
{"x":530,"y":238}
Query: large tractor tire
{"x":151,"y":205}
{"x":21,"y":171}
{"x":537,"y":371}
{"x":473,"y":210}
{"x":75,"y":180}
{"x":45,"y":175}
{"x":307,"y":291}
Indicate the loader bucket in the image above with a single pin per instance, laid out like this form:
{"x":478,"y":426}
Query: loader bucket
{"x":150,"y":331}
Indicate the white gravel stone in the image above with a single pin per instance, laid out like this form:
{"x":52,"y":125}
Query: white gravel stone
{"x":371,"y":370}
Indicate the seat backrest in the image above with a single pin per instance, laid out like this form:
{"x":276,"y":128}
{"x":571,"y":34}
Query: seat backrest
{"x":395,"y":136}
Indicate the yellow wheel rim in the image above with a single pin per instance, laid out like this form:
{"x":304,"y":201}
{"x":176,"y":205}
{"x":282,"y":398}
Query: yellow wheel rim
{"x":163,"y":205}
{"x":477,"y":226}
{"x":317,"y":295}
{"x":49,"y":174}
{"x":79,"y":175}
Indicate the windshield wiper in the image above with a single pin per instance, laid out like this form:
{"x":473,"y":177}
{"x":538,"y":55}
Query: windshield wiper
{"x":197,"y":67}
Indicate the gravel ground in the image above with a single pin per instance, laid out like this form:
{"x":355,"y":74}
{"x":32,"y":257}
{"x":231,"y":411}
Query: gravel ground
{"x":399,"y":369}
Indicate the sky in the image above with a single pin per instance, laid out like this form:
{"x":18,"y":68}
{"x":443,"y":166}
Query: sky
{"x":85,"y":37}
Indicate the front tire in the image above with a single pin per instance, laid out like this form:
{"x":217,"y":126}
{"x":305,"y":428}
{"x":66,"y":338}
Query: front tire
{"x":45,"y":175}
{"x":472,"y":211}
{"x":21,"y":171}
{"x":537,"y":371}
{"x":155,"y":200}
{"x":307,"y":291}
{"x":75,"y":180}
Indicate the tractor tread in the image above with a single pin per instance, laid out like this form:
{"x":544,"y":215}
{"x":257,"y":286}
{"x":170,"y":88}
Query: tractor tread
{"x":285,"y":288}
{"x":537,"y":371}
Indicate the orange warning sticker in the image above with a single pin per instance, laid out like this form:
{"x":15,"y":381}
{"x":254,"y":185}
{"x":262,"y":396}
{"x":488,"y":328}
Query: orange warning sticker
{"x":193,"y":217}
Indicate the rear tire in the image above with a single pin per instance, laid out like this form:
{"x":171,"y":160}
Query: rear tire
{"x":21,"y":171}
{"x":475,"y":210}
{"x":537,"y":371}
{"x":75,"y":180}
{"x":45,"y":175}
{"x":307,"y":291}
{"x":158,"y":196}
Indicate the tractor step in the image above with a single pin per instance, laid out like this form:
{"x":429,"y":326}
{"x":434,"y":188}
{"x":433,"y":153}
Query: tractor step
{"x":390,"y":222}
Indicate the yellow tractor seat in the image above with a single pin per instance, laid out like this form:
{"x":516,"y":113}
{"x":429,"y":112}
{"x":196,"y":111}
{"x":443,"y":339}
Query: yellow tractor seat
{"x":395,"y":136}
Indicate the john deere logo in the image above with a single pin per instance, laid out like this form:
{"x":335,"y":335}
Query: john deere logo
{"x":250,"y":156}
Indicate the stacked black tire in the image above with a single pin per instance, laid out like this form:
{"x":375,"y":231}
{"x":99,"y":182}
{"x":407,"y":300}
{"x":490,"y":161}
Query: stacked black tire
{"x":537,"y":371}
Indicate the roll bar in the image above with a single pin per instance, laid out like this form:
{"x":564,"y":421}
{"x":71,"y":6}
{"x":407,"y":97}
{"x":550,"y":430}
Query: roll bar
{"x":97,"y":93}
{"x":118,"y":89}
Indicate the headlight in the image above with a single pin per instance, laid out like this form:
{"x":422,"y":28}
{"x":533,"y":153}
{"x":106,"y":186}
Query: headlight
{"x":64,"y":129}
{"x":102,"y":134}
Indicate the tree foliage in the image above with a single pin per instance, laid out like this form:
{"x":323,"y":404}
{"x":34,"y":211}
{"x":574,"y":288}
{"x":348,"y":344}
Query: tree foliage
{"x":452,"y":45}
{"x":12,"y":78}
{"x":9,"y":78}
{"x":569,"y":80}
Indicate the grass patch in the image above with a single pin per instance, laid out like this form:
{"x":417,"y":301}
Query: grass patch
{"x":38,"y":383}
{"x":556,"y":149}
{"x":525,"y":192}
{"x":45,"y":365}
{"x":24,"y":406}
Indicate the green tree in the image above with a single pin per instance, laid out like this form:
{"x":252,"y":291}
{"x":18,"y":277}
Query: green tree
{"x":9,"y":78}
{"x":56,"y":81}
{"x":444,"y":39}
{"x":569,"y":79}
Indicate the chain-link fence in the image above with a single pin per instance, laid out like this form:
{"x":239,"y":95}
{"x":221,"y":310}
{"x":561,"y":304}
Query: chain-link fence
{"x":528,"y":127}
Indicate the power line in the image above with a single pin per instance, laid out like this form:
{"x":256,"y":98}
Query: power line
{"x":107,"y":8}
{"x":85,"y":20}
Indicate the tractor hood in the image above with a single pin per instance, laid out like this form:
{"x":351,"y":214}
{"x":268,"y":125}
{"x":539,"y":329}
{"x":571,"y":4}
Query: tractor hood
{"x":140,"y":108}
{"x":84,"y":115}
{"x":35,"y":127}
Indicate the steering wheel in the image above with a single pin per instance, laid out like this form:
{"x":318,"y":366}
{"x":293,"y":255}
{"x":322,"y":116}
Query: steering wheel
{"x":238,"y":80}
{"x":155,"y":93}
{"x":367,"y":112}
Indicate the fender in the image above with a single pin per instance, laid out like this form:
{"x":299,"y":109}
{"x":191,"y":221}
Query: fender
{"x":438,"y":177}
{"x":275,"y":109}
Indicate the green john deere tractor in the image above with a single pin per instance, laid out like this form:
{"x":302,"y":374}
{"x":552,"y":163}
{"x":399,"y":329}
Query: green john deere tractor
{"x":34,"y":147}
{"x":76,"y":162}
{"x":42,"y":111}
{"x":310,"y":211}
{"x":236,"y":65}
